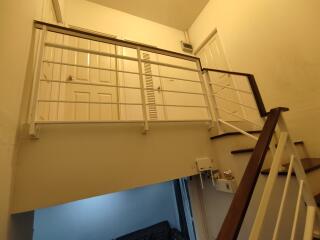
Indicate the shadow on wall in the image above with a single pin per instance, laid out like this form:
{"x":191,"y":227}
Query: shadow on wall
{"x":108,"y":216}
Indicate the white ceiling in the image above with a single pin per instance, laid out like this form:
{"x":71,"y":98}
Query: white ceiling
{"x":179,"y":14}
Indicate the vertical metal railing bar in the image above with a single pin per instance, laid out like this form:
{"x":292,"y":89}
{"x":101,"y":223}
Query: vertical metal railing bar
{"x":60,"y":75}
{"x":213,"y":104}
{"x":266,"y":195}
{"x":117,"y":82}
{"x":283,"y":199}
{"x":143,"y":97}
{"x":308,"y":229}
{"x":297,"y":210}
{"x":36,"y":81}
{"x":205,"y":91}
{"x":52,"y":55}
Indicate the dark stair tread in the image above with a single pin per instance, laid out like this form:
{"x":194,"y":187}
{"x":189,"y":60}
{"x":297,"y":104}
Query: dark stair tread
{"x":309,"y":165}
{"x":242,"y":150}
{"x":317,"y":198}
{"x":246,"y":150}
{"x":234,"y":134}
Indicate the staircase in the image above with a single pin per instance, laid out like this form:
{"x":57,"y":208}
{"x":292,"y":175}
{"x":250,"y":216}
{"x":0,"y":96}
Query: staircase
{"x":285,"y":161}
{"x":240,"y":148}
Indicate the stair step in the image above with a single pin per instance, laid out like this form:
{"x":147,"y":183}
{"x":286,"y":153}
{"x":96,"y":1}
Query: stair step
{"x":247,"y":150}
{"x":309,"y":165}
{"x":243,"y":150}
{"x":234,"y":134}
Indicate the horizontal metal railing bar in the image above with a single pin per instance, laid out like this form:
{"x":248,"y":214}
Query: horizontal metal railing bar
{"x":89,"y":84}
{"x":238,"y":103}
{"x":235,"y":89}
{"x":120,"y":103}
{"x":89,"y":51}
{"x":170,"y":65}
{"x":225,"y":71}
{"x":91,"y":67}
{"x":85,"y":102}
{"x":122,"y":71}
{"x":118,"y":121}
{"x":177,"y":105}
{"x":236,"y":115}
{"x":238,"y":129}
{"x":102,"y":38}
{"x":173,"y":78}
{"x":114,"y":86}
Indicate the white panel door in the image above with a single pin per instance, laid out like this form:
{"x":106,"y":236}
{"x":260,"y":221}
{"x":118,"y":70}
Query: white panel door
{"x":90,"y":84}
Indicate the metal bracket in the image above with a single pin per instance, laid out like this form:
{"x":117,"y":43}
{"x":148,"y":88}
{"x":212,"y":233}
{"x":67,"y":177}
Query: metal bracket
{"x":205,"y":165}
{"x":34,"y":130}
{"x":145,"y":129}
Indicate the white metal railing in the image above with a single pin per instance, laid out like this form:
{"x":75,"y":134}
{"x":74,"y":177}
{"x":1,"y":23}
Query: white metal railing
{"x":304,"y":193}
{"x":81,"y":77}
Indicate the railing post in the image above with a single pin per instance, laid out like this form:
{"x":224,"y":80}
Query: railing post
{"x":297,"y":210}
{"x":283,"y":199}
{"x":143,"y":96}
{"x":214,"y":114}
{"x":35,"y":84}
{"x":266,"y":195}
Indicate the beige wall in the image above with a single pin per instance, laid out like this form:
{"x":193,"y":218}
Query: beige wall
{"x":16,"y":30}
{"x":14,"y":48}
{"x":278,"y":41}
{"x":96,"y":17}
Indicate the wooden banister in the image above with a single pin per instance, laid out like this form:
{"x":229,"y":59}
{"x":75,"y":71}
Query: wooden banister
{"x":235,"y":216}
{"x":253,"y":86}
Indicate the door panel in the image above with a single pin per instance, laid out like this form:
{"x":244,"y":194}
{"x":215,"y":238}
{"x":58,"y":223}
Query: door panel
{"x":81,"y":110}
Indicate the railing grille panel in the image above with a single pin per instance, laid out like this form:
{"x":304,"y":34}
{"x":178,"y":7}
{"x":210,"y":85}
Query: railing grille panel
{"x":84,"y":80}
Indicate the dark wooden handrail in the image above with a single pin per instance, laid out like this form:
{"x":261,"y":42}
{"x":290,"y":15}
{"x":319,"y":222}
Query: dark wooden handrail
{"x":253,"y":85}
{"x":237,"y":211}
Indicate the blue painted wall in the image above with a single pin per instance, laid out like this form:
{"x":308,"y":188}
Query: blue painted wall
{"x":108,"y":216}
